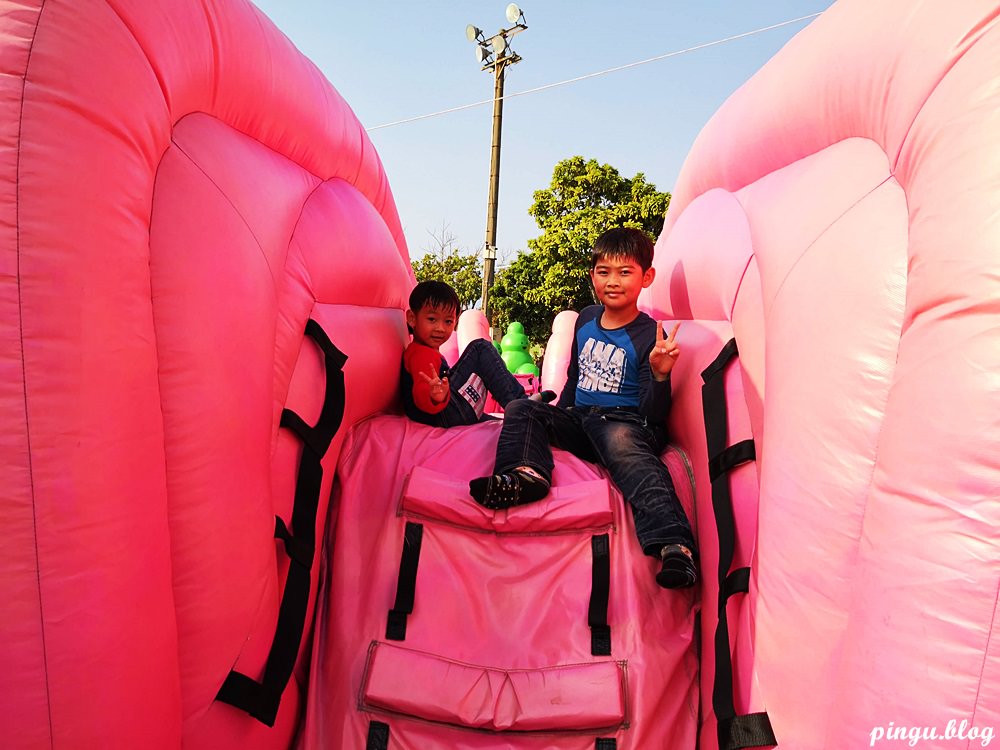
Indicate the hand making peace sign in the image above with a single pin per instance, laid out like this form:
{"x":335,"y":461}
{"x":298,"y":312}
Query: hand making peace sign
{"x":438,"y":386}
{"x":665,"y":352}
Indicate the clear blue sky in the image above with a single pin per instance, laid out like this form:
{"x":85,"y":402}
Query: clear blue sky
{"x":392,"y":60}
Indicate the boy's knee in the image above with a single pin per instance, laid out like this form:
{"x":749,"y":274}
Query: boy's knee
{"x":482,"y":346}
{"x":525,"y":408}
{"x":619,"y":435}
{"x":517,"y":406}
{"x":620,"y":440}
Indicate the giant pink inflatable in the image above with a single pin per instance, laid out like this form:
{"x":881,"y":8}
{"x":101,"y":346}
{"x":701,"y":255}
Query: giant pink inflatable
{"x":183,"y":193}
{"x":219,"y":534}
{"x":842,"y":212}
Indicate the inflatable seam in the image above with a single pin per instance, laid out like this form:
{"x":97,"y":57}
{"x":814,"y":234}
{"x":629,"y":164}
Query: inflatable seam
{"x":986,"y":652}
{"x":376,"y":197}
{"x":850,"y":609}
{"x":223,"y":193}
{"x":671,"y":448}
{"x":298,"y":220}
{"x":746,"y":267}
{"x":823,"y":231}
{"x":368,"y":703}
{"x":426,"y":518}
{"x":885,"y":405}
{"x":378,"y":206}
{"x":776,"y":167}
{"x":323,"y":183}
{"x":983,"y":28}
{"x":24,"y":372}
{"x":138,"y":44}
{"x":159,"y":391}
{"x":213,"y":36}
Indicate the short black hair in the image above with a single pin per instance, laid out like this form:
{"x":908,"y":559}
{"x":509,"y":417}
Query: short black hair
{"x":434,"y":293}
{"x":623,"y":242}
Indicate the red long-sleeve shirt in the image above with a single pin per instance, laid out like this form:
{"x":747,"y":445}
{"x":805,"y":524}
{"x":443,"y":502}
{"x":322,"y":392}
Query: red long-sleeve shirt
{"x":418,"y":358}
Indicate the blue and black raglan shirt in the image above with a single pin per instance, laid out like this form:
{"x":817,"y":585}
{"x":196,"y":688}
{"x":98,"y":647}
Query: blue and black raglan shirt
{"x":610,"y":367}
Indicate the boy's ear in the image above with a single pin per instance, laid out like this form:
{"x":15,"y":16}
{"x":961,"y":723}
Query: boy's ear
{"x":411,"y":319}
{"x":648,"y":276}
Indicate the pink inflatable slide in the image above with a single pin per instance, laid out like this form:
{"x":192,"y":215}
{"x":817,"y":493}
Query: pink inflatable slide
{"x":220,"y":533}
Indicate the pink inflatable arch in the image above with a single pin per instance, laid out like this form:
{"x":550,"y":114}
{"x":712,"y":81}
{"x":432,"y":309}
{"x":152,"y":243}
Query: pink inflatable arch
{"x":202,"y":283}
{"x":183,"y":192}
{"x":842,"y":212}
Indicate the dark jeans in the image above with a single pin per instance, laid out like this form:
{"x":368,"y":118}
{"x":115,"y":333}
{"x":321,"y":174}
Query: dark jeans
{"x":479,"y":370}
{"x":621,"y":441}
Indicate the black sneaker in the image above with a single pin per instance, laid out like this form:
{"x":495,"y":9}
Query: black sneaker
{"x":678,"y":570}
{"x":544,"y":397}
{"x":507,"y":490}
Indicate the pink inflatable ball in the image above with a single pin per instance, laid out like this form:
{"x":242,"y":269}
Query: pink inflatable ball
{"x":514,"y":348}
{"x":557,"y":351}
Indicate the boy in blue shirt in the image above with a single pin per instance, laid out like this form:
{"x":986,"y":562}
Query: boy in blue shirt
{"x":612,"y":411}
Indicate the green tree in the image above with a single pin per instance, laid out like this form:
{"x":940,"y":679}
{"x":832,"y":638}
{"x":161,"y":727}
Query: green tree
{"x":584,"y":199}
{"x":445,"y":263}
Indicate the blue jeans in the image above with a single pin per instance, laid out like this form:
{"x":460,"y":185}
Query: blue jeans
{"x":479,"y":370}
{"x":618,"y":439}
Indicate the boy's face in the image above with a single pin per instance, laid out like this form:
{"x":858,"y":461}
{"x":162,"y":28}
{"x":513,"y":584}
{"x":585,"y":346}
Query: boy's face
{"x":618,"y":281}
{"x":432,"y":326}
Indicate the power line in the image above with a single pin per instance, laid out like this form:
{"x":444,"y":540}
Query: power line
{"x":598,"y":73}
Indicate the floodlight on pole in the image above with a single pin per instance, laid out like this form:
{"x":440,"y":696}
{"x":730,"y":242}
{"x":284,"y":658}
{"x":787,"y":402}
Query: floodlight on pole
{"x":494,"y":54}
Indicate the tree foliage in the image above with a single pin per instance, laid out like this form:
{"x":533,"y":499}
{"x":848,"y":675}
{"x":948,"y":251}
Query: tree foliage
{"x":584,"y":199}
{"x":444,"y":262}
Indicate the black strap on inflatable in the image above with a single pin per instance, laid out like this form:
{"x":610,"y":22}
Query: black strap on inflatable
{"x":406,"y":584}
{"x":606,"y":743}
{"x":750,"y":730}
{"x":261,"y":699}
{"x":730,"y":458}
{"x":737,"y":582}
{"x":600,"y":590}
{"x":378,"y":736}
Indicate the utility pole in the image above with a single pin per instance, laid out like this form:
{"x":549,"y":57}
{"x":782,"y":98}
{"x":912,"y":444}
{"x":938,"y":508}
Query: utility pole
{"x":495,"y":54}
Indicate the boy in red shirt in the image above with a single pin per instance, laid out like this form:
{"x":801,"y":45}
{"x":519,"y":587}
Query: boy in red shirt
{"x":435,"y":394}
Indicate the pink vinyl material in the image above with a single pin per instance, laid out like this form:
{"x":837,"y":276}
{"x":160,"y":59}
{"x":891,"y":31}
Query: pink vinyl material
{"x":843,"y":217}
{"x":449,"y":349}
{"x":472,"y":324}
{"x":576,"y":696}
{"x":557,"y":351}
{"x":500,"y":605}
{"x":181,"y":191}
{"x":579,"y":506}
